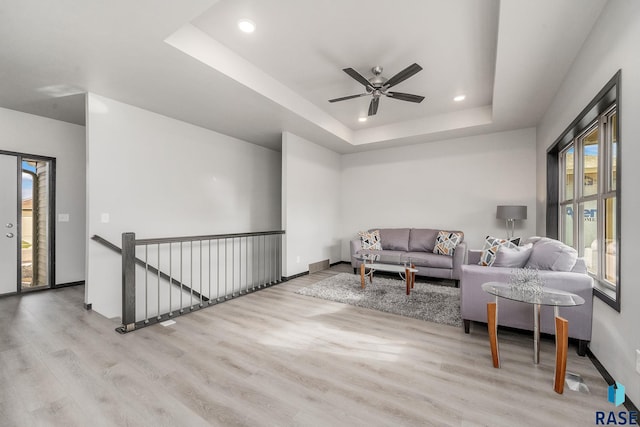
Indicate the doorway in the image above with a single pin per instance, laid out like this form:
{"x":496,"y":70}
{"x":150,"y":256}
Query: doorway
{"x":26,"y":214}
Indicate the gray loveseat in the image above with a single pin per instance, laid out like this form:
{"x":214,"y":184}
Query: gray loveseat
{"x":417,"y":244}
{"x":473,"y":300}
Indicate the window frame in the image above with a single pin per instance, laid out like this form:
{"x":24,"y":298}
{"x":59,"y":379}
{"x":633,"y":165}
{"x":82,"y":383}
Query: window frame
{"x":564,"y":200}
{"x":598,"y":114}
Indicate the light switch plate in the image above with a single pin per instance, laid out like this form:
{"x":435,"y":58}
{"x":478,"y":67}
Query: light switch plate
{"x":104,"y":218}
{"x":63,"y":217}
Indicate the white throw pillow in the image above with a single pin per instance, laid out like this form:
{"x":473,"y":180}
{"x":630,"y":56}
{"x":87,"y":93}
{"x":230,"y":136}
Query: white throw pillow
{"x":513,"y":257}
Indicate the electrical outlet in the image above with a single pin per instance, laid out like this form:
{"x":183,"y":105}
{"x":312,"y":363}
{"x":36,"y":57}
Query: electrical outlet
{"x":638,"y":361}
{"x":298,"y":259}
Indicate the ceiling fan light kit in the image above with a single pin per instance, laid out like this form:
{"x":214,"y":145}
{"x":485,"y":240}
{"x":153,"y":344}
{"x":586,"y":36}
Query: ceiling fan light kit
{"x":246,"y":25}
{"x":377,"y":86}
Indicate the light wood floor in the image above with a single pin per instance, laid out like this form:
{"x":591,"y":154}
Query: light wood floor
{"x":273,"y":358}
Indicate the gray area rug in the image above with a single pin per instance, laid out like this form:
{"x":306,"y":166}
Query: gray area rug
{"x":433,"y":303}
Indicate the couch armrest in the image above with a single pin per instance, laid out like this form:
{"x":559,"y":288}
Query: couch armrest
{"x":355,"y":246}
{"x":474,"y":256}
{"x":459,"y":258}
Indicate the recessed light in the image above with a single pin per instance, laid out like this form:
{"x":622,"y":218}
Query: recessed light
{"x":459,"y":98}
{"x":362,"y":119}
{"x":246,"y":25}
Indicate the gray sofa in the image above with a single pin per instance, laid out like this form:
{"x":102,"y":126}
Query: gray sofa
{"x":473,"y":300}
{"x":417,"y":244}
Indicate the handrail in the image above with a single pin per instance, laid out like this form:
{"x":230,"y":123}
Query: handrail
{"x":161,"y":240}
{"x":151,"y":268}
{"x":106,"y":243}
{"x":235,"y":264}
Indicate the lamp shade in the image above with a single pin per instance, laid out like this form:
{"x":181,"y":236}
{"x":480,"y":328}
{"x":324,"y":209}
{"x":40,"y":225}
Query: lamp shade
{"x":511,"y":212}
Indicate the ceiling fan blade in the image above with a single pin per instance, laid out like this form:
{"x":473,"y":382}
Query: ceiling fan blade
{"x":405,"y":96}
{"x":373,"y":106}
{"x":358,"y":77}
{"x":344,"y":98}
{"x":403,"y":75}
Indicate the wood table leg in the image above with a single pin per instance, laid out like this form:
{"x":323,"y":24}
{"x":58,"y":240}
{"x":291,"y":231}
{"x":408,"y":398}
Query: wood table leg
{"x":562,"y":344}
{"x":492,"y":323}
{"x":407,"y":275}
{"x":362,"y":275}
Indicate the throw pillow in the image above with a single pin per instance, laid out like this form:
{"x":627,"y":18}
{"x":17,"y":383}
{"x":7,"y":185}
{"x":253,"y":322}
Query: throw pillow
{"x":446,"y":242}
{"x":490,"y":248}
{"x":550,"y":254}
{"x":513,"y":257}
{"x":370,"y":240}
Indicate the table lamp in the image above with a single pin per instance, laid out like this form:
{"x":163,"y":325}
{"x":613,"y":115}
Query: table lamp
{"x":510,"y":213}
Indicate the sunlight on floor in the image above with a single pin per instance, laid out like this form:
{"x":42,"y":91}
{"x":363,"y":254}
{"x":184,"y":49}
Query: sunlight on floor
{"x":319,"y":338}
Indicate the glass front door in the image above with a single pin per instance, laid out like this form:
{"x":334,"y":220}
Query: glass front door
{"x":25,"y":217}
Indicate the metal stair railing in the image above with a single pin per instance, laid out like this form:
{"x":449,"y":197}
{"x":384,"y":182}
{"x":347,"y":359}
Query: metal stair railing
{"x":104,"y":242}
{"x":180,"y":275}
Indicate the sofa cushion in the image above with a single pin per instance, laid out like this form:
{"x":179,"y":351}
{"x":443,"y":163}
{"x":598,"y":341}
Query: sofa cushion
{"x":422,"y":239}
{"x":370,"y":239}
{"x":513,"y":257}
{"x":533,"y":239}
{"x":490,"y":248}
{"x":446,"y":242}
{"x":550,"y":254}
{"x":429,"y":259}
{"x":394,"y":239}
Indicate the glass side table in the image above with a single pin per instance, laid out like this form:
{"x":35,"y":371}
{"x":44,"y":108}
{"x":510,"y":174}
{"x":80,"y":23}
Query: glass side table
{"x":548,"y":296}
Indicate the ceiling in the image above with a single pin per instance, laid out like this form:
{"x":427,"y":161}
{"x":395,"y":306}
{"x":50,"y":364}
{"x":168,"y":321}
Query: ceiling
{"x":188,"y":60}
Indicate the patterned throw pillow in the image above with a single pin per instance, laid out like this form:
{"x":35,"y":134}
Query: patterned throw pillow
{"x":446,"y":242}
{"x":370,"y":240}
{"x":491,"y":246}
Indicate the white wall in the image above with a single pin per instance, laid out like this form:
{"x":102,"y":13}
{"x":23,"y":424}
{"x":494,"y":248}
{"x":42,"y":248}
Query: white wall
{"x":310,"y":204}
{"x":25,"y":133}
{"x":612,"y":45}
{"x":451,"y":185}
{"x":160,"y":177}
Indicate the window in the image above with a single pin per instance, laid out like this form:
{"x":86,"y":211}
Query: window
{"x":583,"y":192}
{"x":595,"y":232}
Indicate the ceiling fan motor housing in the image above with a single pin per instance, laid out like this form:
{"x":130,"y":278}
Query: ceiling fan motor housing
{"x":377,"y":80}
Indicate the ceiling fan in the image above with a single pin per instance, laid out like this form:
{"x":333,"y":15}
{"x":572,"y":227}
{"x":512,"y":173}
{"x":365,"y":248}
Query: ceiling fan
{"x":377,"y":86}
